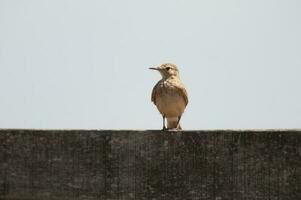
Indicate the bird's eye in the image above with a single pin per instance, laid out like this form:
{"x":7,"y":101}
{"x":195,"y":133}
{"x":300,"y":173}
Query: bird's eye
{"x":167,"y":68}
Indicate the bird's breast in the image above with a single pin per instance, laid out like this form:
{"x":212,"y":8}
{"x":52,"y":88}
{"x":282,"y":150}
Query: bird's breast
{"x":169,"y":100}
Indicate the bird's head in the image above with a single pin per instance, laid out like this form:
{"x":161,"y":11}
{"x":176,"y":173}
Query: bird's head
{"x":167,"y":70}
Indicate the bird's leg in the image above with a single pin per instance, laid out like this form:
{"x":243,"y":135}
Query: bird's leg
{"x":178,"y":127}
{"x":164,"y":127}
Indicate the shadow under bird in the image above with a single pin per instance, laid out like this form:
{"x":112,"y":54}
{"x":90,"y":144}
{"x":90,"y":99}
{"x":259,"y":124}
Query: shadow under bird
{"x":170,"y":95}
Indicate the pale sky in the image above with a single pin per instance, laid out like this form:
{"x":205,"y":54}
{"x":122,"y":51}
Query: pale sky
{"x":84,"y":64}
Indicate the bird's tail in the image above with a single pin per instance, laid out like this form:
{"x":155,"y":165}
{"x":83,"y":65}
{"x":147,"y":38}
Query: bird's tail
{"x":172,"y":123}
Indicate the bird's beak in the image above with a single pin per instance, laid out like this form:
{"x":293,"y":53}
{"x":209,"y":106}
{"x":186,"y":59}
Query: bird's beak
{"x":154,"y":68}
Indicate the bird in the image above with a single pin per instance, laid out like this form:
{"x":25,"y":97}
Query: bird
{"x":170,"y":96}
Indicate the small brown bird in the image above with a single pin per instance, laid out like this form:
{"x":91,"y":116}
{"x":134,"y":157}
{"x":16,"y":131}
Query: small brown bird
{"x":170,"y":96}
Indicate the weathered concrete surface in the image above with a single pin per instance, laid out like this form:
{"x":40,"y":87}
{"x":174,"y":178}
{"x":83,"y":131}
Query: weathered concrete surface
{"x":211,"y":165}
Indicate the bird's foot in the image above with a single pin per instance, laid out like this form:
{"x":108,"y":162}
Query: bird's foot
{"x":174,"y":129}
{"x":171,"y":129}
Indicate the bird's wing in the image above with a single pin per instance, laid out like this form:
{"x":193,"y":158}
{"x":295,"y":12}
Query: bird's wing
{"x":154,"y":93}
{"x":180,"y":87}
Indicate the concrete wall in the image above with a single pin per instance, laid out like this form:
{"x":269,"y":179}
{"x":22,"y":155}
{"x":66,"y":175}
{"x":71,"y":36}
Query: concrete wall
{"x":213,"y":165}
